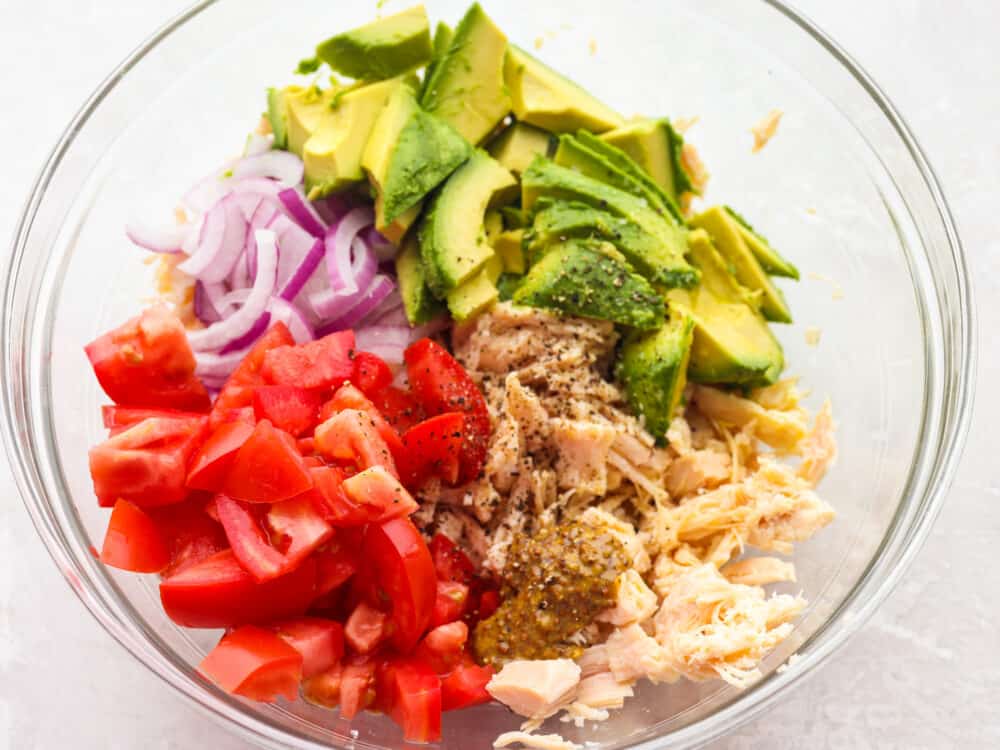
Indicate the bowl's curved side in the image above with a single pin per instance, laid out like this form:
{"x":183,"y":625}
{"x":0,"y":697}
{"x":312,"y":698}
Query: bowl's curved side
{"x":945,"y":300}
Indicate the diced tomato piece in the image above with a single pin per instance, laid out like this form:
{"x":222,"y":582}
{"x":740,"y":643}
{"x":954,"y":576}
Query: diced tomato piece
{"x":268,"y":468}
{"x":466,"y":686}
{"x":133,"y":542}
{"x":117,"y":417}
{"x":443,"y":646}
{"x":371,"y":373}
{"x":335,"y":563}
{"x":248,"y":540}
{"x":324,"y":689}
{"x":289,"y":408}
{"x":433,"y":448}
{"x":365,"y":628}
{"x":450,"y":603}
{"x":218,"y":593}
{"x":349,"y":397}
{"x":376,"y":488}
{"x":237,"y":394}
{"x":440,"y":384}
{"x":332,"y":502}
{"x":399,"y":407}
{"x":190,"y":533}
{"x":298,"y":528}
{"x":357,"y":686}
{"x":147,"y":463}
{"x":255,"y":663}
{"x":351,"y":436}
{"x":405,"y":572}
{"x":148,"y":362}
{"x":489,"y":602}
{"x":211,"y":463}
{"x":323,"y":363}
{"x":450,"y":562}
{"x":307,"y":446}
{"x":414,"y":700}
{"x":320,"y":641}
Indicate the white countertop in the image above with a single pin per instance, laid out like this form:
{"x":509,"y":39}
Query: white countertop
{"x":924,"y":673}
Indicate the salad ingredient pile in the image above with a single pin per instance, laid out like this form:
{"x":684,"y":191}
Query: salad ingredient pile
{"x":453,"y":397}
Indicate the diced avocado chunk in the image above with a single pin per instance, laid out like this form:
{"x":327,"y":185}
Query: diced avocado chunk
{"x":732,"y":342}
{"x":591,"y":279}
{"x":518,"y":145}
{"x":556,"y":220}
{"x":508,"y":246}
{"x":590,"y":156}
{"x":304,"y":108}
{"x":725,"y":234}
{"x":663,"y":264}
{"x":513,"y":217}
{"x":507,"y":284}
{"x":477,"y":294}
{"x":466,"y":86}
{"x":770,"y":259}
{"x":396,"y":230}
{"x":443,"y":34}
{"x":382,"y":49}
{"x":656,"y":147}
{"x":492,"y":225}
{"x":419,"y":303}
{"x":408,"y":154}
{"x":452,"y":241}
{"x":628,"y":166}
{"x":332,"y":155}
{"x":653,"y":368}
{"x":277,"y":115}
{"x":541,"y":96}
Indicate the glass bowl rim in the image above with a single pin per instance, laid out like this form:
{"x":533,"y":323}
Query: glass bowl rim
{"x":755,"y":700}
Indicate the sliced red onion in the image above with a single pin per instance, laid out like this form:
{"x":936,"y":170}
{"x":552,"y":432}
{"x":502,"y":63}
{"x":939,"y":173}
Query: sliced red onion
{"x":388,"y":342}
{"x":299,"y":208}
{"x":340,"y":242}
{"x":222,"y":240}
{"x":294,"y":246}
{"x":430,"y":328}
{"x":283,"y":166}
{"x":383,"y":249}
{"x":257,"y":186}
{"x":213,"y":369}
{"x":290,"y":289}
{"x":389,"y":312}
{"x":380,"y":288}
{"x":258,"y":144}
{"x":333,"y":208}
{"x":159,"y":239}
{"x":209,"y":190}
{"x":394,"y":316}
{"x":206,"y":299}
{"x":292,"y":317}
{"x":256,"y":330}
{"x":222,"y":333}
{"x":263,"y":217}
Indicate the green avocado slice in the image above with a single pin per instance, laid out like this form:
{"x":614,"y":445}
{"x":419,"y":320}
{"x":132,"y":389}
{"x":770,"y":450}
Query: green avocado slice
{"x":726,"y":235}
{"x":385,"y":48}
{"x":591,"y":279}
{"x":663,"y":264}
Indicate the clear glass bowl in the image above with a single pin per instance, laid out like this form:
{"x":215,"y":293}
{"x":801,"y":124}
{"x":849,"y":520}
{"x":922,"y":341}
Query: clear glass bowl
{"x":843,"y":190}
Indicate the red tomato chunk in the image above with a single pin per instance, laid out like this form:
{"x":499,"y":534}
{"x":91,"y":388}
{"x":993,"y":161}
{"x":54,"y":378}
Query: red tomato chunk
{"x":255,"y":663}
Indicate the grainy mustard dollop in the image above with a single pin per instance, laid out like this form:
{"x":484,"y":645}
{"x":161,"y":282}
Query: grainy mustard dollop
{"x":555,"y":582}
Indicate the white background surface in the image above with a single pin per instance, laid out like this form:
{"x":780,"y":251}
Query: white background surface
{"x":924,"y":673}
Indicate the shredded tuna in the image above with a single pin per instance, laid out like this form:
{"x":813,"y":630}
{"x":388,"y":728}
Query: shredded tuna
{"x":759,"y":571}
{"x":709,"y":627}
{"x":636,"y":601}
{"x":766,"y":129}
{"x":535,"y":689}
